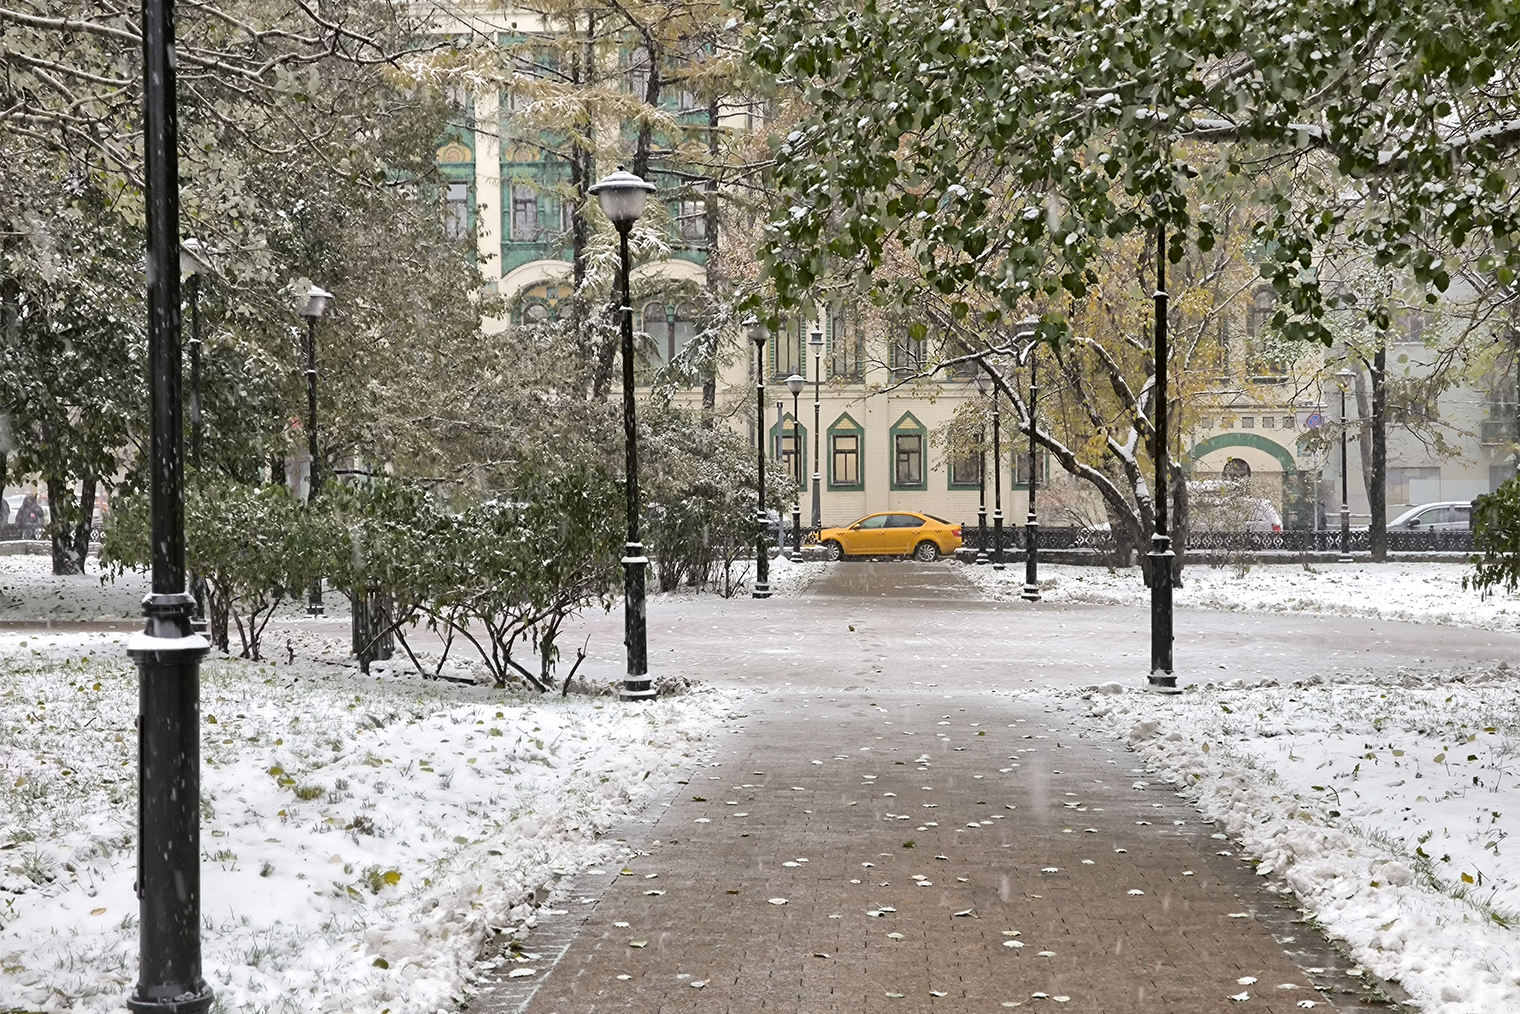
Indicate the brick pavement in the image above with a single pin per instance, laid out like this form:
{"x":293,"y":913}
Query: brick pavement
{"x":938,"y":848}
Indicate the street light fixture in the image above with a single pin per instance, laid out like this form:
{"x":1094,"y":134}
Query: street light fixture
{"x":1343,"y":379}
{"x":795,"y":383}
{"x":815,"y":342}
{"x":762,"y":588}
{"x":622,"y":196}
{"x":317,"y":299}
{"x":167,"y":652}
{"x":983,"y":385}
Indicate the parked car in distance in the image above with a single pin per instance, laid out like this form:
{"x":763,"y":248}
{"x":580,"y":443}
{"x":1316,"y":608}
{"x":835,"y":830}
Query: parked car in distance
{"x":1446,"y":516}
{"x":893,"y":533}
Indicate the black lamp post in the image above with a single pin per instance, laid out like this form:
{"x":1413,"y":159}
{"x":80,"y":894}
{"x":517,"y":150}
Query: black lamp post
{"x":622,"y":196}
{"x":997,"y":479}
{"x":795,"y":384}
{"x":316,"y":303}
{"x":780,"y":432}
{"x":1161,"y":555}
{"x":1031,"y":591}
{"x":1343,"y":379}
{"x":762,"y":588}
{"x":192,"y":264}
{"x":167,"y":652}
{"x":815,"y":342}
{"x":984,"y":385}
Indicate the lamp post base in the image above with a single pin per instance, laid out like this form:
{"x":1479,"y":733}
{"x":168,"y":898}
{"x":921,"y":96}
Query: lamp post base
{"x":168,"y":657}
{"x":760,"y":591}
{"x":1161,"y":558}
{"x":1031,"y":592}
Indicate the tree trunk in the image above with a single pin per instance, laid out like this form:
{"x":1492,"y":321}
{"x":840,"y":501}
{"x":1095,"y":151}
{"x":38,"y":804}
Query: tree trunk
{"x":85,"y":521}
{"x":60,"y":537}
{"x":1377,"y":486}
{"x":1181,"y":520}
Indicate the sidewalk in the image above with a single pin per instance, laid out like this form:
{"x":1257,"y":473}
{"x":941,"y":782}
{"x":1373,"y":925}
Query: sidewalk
{"x":946,"y":848}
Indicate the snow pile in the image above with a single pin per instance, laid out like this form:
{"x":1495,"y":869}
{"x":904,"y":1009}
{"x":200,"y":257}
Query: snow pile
{"x":1387,"y":808}
{"x":362,"y":838}
{"x":1422,"y":592}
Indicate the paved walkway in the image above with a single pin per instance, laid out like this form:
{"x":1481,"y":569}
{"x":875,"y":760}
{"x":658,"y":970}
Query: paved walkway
{"x":939,"y":845}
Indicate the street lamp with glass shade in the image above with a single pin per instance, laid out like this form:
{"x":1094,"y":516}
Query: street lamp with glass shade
{"x":984,"y":387}
{"x":795,"y":383}
{"x":762,"y":587}
{"x":622,"y":196}
{"x":317,"y":299}
{"x":815,"y":342}
{"x":1343,"y":379}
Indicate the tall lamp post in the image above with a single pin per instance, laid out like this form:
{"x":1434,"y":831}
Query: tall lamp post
{"x":997,"y":479}
{"x":1161,"y":555}
{"x":795,"y":384}
{"x":622,"y":196}
{"x":167,"y":652}
{"x":815,"y":342}
{"x":762,"y":588}
{"x":780,"y":432}
{"x":317,"y":299}
{"x":192,"y":264}
{"x":983,"y":385}
{"x":1031,"y":592}
{"x":1343,"y":379}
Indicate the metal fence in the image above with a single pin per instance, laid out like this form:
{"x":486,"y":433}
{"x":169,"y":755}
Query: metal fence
{"x":1217,"y":542}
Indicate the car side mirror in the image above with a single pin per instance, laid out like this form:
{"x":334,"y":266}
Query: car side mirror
{"x":855,"y":527}
{"x":1414,"y":522}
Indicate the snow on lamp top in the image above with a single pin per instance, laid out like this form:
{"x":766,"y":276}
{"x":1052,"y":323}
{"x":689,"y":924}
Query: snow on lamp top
{"x":316,"y":302}
{"x":622,"y":196}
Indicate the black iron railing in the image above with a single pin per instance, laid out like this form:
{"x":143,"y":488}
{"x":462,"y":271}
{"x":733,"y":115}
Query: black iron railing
{"x":1214,"y":542}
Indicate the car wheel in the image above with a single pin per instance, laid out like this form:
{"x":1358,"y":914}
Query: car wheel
{"x":927,"y":552}
{"x":832,"y":550}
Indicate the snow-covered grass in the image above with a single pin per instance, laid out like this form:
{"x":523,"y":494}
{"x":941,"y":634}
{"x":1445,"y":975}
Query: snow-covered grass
{"x":362,"y":836}
{"x":1386,"y":806}
{"x":788,"y":579}
{"x":30,"y":590}
{"x":1422,"y":592}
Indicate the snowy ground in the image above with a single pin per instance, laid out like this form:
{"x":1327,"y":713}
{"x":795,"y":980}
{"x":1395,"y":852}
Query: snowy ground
{"x":1386,"y":807}
{"x":362,"y":836}
{"x":1421,"y":592}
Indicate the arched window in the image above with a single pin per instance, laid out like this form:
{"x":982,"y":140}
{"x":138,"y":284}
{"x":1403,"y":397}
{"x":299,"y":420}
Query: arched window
{"x":1236,"y":469}
{"x":657,"y":325}
{"x":537,"y":313}
{"x":683,"y":329}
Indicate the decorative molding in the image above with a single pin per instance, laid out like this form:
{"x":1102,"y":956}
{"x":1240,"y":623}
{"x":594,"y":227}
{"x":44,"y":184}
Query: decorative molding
{"x":455,"y":152}
{"x":1252,"y":440}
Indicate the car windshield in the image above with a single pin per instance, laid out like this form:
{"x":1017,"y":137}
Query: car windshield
{"x":932,"y":517}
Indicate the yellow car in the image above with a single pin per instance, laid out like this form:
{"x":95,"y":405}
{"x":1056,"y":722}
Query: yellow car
{"x":893,"y":533}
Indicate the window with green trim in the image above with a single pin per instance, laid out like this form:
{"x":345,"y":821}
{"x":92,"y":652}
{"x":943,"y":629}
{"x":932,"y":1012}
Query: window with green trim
{"x":1021,"y":468}
{"x":846,"y":349}
{"x":846,"y":454}
{"x":910,"y":445}
{"x":789,"y":442}
{"x":786,"y":351}
{"x":966,"y":470}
